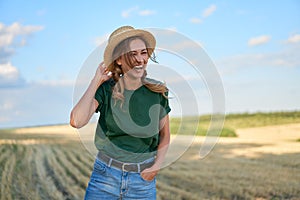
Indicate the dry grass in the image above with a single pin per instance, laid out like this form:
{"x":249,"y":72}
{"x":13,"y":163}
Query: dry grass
{"x":261,"y":163}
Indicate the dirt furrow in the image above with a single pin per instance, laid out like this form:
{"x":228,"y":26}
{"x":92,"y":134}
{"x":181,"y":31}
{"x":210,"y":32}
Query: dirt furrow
{"x":47,"y":188}
{"x":72,"y":158}
{"x":6,"y":179}
{"x":61,"y":176}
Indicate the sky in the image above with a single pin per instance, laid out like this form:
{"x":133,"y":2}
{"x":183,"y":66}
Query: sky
{"x":45,"y":45}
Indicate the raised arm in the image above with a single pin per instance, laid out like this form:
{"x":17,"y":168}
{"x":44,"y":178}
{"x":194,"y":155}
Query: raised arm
{"x":87,"y":105}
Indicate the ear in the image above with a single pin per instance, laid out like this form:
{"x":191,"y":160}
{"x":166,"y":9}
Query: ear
{"x":119,"y":61}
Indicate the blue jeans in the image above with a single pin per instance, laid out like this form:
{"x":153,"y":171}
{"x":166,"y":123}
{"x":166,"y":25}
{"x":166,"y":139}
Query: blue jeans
{"x":107,"y":182}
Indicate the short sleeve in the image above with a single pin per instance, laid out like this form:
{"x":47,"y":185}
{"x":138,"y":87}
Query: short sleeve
{"x":99,"y":96}
{"x":102,"y":93}
{"x":165,"y":108}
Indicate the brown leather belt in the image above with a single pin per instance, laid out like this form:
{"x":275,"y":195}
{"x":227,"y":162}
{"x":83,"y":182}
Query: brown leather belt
{"x":127,"y":167}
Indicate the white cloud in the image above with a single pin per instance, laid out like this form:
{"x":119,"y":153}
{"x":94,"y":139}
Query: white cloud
{"x":259,"y":40}
{"x":136,"y":11}
{"x":210,"y":10}
{"x":18,"y":29}
{"x":6,"y":39}
{"x":287,"y":57}
{"x":206,"y":12}
{"x":146,"y":12}
{"x":12,"y":37}
{"x":128,"y":12}
{"x":294,"y":38}
{"x":9,"y":76}
{"x":195,"y":20}
{"x":8,"y":71}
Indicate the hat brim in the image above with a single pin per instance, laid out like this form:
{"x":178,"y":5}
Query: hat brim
{"x":147,"y":36}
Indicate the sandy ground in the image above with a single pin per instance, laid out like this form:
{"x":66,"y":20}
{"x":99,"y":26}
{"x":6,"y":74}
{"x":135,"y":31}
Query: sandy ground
{"x":59,"y":129}
{"x":277,"y":139}
{"x":270,"y":139}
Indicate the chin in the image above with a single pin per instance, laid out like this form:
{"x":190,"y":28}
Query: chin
{"x":136,"y":75}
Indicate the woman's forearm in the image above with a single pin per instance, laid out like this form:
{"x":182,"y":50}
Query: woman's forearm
{"x":87,"y":105}
{"x":164,"y":141}
{"x":85,"y":108}
{"x":164,"y":138}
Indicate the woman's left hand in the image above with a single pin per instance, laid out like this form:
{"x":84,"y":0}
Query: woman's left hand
{"x":149,"y":174}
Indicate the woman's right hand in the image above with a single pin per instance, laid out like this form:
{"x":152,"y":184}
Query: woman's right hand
{"x":102,"y":73}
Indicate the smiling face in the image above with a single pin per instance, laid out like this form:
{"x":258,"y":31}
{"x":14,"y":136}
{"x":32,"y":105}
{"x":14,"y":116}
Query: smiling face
{"x":134,"y":61}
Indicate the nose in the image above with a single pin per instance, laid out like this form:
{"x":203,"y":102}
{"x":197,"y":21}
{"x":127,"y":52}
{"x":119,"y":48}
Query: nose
{"x":139,"y":58}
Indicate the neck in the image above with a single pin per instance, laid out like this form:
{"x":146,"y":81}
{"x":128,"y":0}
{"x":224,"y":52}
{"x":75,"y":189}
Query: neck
{"x":132,"y":84}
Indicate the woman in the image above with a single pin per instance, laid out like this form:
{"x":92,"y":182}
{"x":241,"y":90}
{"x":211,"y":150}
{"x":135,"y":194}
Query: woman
{"x":133,"y":134}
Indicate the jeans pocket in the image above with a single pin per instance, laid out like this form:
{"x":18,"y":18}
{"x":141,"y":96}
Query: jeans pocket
{"x":144,"y":180}
{"x":99,"y":167}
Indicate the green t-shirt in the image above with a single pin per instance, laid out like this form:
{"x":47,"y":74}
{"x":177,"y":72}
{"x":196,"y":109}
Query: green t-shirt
{"x":129,"y":133}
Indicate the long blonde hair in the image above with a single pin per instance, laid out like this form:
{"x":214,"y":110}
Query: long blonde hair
{"x":122,"y":49}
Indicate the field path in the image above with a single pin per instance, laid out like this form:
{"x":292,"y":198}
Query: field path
{"x":278,"y":133}
{"x":277,"y":139}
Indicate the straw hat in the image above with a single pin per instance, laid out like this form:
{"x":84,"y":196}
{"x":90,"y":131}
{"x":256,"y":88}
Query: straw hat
{"x":123,"y":33}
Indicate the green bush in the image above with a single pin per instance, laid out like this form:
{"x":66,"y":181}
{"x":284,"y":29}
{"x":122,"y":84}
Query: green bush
{"x":248,"y":120}
{"x":225,"y":132}
{"x":228,"y":132}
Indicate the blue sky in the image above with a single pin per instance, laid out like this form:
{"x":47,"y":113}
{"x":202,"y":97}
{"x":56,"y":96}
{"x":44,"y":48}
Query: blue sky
{"x":255,"y":46}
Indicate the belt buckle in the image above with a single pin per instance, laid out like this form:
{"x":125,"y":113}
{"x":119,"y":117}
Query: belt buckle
{"x":123,"y":166}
